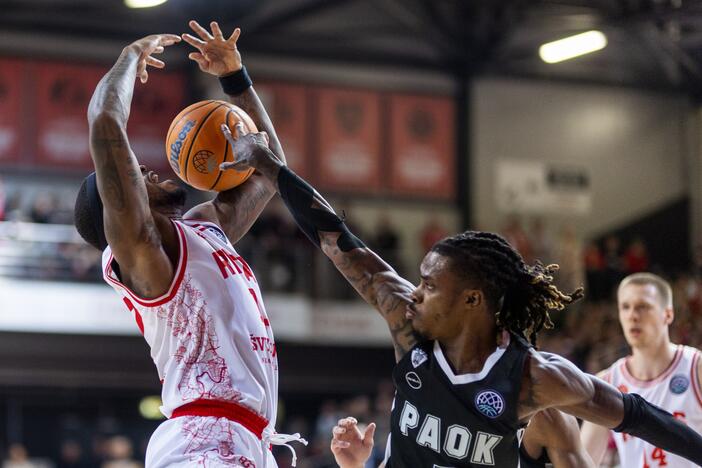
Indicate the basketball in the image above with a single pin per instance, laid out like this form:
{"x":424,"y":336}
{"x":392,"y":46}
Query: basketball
{"x":195,"y":145}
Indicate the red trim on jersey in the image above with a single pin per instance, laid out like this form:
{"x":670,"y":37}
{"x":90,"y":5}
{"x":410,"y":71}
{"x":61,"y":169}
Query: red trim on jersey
{"x":224,"y":409}
{"x":695,"y":377}
{"x":649,"y":383}
{"x":177,"y":278}
{"x":137,"y":315}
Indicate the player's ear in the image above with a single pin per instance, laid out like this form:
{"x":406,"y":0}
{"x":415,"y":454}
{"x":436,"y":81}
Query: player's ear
{"x":473,"y":298}
{"x":669,"y":315}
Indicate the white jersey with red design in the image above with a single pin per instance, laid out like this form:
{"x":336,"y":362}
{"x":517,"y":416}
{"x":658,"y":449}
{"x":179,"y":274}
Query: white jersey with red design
{"x":209,"y":334}
{"x":676,"y":390}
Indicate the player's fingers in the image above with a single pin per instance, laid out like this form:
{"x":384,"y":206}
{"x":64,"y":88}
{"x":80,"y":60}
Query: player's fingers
{"x":194,"y":41}
{"x":239,"y":130}
{"x":236,"y":165}
{"x":144,"y":76}
{"x":197,"y":57}
{"x":155,"y":62}
{"x":235,"y":36}
{"x":347,"y":421}
{"x":228,"y":134}
{"x":368,"y":435}
{"x":158,"y":50}
{"x":202,"y":32}
{"x":264,"y":137}
{"x":338,"y":445}
{"x":168,"y":39}
{"x":216,"y":31}
{"x":338,"y":430}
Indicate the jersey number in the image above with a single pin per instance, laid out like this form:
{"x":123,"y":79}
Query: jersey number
{"x":657,"y":455}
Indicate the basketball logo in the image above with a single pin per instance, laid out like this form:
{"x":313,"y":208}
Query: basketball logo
{"x":418,"y":357}
{"x":490,"y":403}
{"x":679,"y":383}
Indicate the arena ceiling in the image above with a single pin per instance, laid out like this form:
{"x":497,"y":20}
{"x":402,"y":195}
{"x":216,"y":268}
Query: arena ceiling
{"x":652,"y":43}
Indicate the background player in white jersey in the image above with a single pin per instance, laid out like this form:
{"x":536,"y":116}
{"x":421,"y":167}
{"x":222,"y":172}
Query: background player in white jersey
{"x":467,"y":380}
{"x":664,"y":373}
{"x":194,"y":298}
{"x":552,"y":439}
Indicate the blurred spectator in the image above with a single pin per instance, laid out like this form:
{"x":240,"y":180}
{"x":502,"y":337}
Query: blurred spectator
{"x":614,"y":265}
{"x":42,"y":208}
{"x":72,"y":456}
{"x":596,"y":288}
{"x":569,"y":252}
{"x":541,"y":242}
{"x":17,"y":457}
{"x":515,"y":235}
{"x":636,"y":257}
{"x":120,"y":454}
{"x":386,"y":242}
{"x":431,"y":233}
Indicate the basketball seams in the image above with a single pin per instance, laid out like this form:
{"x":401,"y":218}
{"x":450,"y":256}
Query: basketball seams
{"x":194,"y":137}
{"x":226,"y":149}
{"x":184,"y":113}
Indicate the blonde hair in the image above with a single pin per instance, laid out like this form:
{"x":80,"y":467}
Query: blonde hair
{"x":665,"y":292}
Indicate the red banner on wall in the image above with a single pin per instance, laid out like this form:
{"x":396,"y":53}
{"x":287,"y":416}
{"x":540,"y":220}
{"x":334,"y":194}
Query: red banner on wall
{"x":349,"y":145}
{"x":288,"y":109}
{"x":11,"y":82}
{"x":62,"y":96}
{"x":423,"y":145}
{"x":154,"y":106}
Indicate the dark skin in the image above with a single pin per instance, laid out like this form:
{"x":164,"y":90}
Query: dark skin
{"x":445,"y":307}
{"x":558,"y":435}
{"x":138,"y":209}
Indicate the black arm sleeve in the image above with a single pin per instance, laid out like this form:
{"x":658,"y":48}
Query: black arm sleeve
{"x":659,"y":428}
{"x":299,"y":196}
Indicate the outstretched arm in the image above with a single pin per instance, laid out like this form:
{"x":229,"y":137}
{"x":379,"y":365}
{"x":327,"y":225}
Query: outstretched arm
{"x":375,"y":280}
{"x":553,"y":381}
{"x":236,"y":209}
{"x":129,"y":226}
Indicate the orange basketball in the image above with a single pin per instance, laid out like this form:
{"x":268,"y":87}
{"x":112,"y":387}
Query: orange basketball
{"x":195,"y":145}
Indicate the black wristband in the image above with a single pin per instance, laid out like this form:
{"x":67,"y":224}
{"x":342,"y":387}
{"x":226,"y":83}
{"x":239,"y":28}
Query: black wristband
{"x":299,"y":196}
{"x":236,"y":83}
{"x":659,"y":428}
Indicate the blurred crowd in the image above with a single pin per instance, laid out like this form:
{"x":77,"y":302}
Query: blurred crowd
{"x":286,"y":262}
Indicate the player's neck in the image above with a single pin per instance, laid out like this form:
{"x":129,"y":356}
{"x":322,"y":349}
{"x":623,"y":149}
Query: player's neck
{"x":468,"y":351}
{"x":649,"y":362}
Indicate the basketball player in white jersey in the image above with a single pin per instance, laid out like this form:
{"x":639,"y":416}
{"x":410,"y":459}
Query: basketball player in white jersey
{"x":195,"y":300}
{"x":666,"y":374}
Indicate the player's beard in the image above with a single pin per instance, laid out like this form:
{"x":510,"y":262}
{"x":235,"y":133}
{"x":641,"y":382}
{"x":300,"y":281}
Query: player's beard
{"x":169,"y":198}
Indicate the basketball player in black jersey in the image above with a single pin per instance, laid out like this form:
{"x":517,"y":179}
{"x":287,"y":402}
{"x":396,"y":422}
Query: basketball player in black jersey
{"x":467,"y":377}
{"x":552,"y":439}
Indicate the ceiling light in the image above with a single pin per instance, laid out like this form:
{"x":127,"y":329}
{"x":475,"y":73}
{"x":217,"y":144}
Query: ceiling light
{"x":143,"y":3}
{"x":573,"y":46}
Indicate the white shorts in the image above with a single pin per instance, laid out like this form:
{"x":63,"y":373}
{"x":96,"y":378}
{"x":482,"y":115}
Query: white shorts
{"x":207,"y":442}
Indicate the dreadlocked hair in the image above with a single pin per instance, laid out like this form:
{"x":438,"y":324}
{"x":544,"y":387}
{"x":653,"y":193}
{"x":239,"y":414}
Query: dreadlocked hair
{"x":522,"y":296}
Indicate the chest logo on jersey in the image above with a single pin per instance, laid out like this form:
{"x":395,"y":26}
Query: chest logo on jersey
{"x":490,"y":403}
{"x":418,"y":357}
{"x":413,"y":380}
{"x":679,"y":383}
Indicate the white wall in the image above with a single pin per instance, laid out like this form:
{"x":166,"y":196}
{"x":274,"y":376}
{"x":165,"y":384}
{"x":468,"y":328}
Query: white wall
{"x":633,"y":144}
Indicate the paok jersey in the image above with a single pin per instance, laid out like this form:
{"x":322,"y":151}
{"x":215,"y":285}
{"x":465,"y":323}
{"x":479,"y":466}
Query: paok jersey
{"x":440,"y":419}
{"x":209,"y":334}
{"x":676,"y":390}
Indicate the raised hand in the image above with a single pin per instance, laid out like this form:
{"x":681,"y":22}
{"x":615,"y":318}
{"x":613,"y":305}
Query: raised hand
{"x":148,"y":46}
{"x":350,"y":447}
{"x":247,"y":148}
{"x":215,"y":55}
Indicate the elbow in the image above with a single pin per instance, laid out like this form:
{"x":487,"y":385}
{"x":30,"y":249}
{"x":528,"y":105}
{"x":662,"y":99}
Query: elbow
{"x":104,"y":119}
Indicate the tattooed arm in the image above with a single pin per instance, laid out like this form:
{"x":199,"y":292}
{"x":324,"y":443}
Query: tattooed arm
{"x":552,"y":381}
{"x":374,"y":279}
{"x":130,"y":229}
{"x":238,"y":208}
